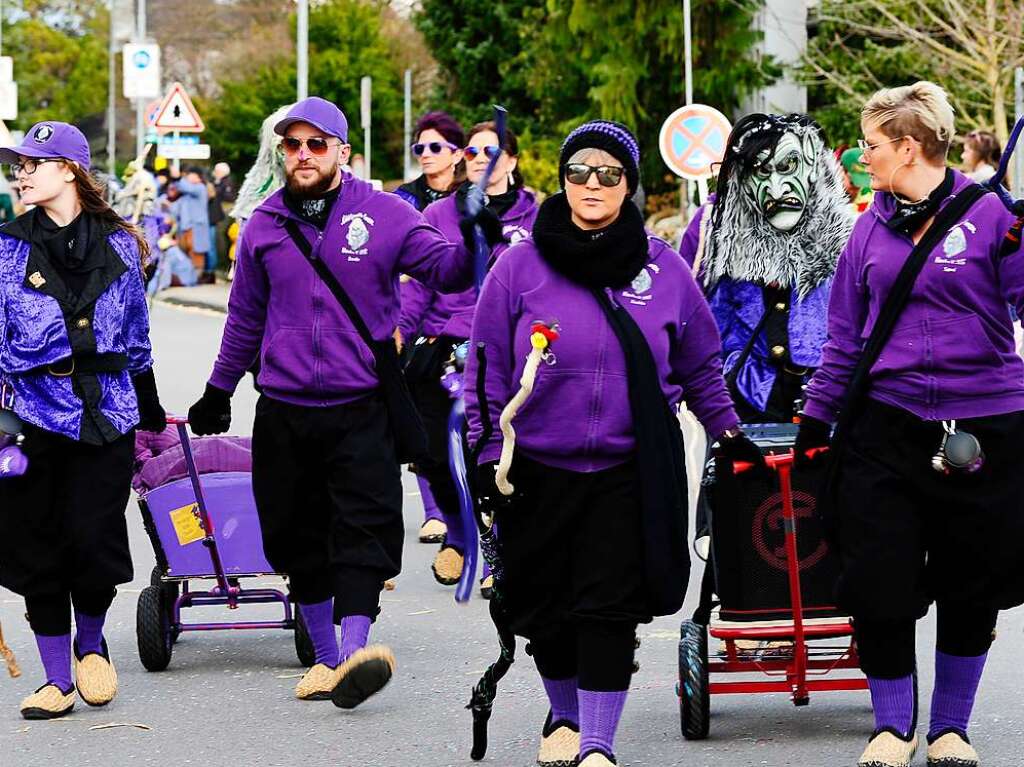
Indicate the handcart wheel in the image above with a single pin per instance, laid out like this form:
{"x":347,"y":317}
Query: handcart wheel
{"x":694,"y":698}
{"x":152,"y":630}
{"x":303,"y":644}
{"x":169,"y":592}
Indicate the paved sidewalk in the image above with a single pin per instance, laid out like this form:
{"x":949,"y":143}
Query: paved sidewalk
{"x":210,"y":297}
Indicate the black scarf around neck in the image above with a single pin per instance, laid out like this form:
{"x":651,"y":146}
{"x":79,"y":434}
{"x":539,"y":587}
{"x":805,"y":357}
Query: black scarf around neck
{"x":73,"y":250}
{"x":600,"y":258}
{"x":910,"y":216}
{"x":314,"y":210}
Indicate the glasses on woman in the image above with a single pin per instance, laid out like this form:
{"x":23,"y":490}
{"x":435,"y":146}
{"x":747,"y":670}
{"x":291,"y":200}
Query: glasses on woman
{"x":317,"y":146}
{"x":29,"y":166}
{"x":607,"y":175}
{"x":432,"y":147}
{"x":866,"y":148}
{"x":490,"y":151}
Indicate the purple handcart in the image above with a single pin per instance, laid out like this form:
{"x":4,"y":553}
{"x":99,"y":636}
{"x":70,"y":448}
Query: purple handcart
{"x":192,"y":545}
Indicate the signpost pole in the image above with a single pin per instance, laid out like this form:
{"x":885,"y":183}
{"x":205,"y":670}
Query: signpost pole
{"x":140,"y":104}
{"x":366,"y":86}
{"x":302,"y":51}
{"x":177,"y":160}
{"x":407,"y":153}
{"x":111,"y":97}
{"x":685,"y":189}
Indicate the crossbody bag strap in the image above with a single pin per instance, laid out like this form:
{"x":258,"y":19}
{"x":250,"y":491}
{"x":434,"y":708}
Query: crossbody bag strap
{"x":734,"y":371}
{"x":328,"y":278}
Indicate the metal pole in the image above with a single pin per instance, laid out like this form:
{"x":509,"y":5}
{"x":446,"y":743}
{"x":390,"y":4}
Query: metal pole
{"x":407,"y":154}
{"x":687,"y":190}
{"x":140,"y":104}
{"x":111,"y":98}
{"x":2,"y":25}
{"x":302,"y":51}
{"x":1018,"y":156}
{"x":366,"y":93}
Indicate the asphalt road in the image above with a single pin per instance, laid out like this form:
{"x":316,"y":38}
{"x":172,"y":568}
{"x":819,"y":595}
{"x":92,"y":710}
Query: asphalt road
{"x":227,"y":697}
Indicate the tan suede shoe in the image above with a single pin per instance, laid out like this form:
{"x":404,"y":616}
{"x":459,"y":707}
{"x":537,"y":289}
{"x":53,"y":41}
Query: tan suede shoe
{"x":952,"y":750}
{"x":433,"y":531}
{"x":887,"y":750}
{"x":364,"y":674}
{"x":447,"y":566}
{"x":95,"y":678}
{"x":48,"y":702}
{"x":559,"y":746}
{"x":318,"y":683}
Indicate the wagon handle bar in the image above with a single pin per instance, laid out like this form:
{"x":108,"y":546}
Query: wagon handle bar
{"x":776,"y":461}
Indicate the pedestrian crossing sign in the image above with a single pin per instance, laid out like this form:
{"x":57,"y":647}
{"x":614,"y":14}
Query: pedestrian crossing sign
{"x":176,"y":112}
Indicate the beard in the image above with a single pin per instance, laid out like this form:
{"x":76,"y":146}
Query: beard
{"x":305,"y":190}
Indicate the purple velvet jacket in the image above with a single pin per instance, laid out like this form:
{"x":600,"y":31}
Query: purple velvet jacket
{"x":578,"y":417}
{"x":432,"y":313}
{"x":111,"y":315}
{"x":952,"y":353}
{"x":279,"y":308}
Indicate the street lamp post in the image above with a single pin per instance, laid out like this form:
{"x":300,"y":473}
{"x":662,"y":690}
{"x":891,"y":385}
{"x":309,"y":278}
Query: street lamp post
{"x":302,"y":51}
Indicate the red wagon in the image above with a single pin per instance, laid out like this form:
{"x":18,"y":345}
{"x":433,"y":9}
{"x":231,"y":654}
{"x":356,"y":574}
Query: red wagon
{"x":774,"y":574}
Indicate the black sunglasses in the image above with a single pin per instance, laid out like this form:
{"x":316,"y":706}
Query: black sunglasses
{"x":435,"y":147}
{"x":579,"y":173}
{"x":316,"y":146}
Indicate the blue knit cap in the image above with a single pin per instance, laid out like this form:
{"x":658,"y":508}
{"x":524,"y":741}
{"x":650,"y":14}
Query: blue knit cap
{"x":614,"y":138}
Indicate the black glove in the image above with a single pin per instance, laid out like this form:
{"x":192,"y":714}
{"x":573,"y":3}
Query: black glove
{"x":212,"y":413}
{"x":812,"y":438}
{"x":489,"y":498}
{"x":152,"y":416}
{"x":739,"y":449}
{"x":489,"y":223}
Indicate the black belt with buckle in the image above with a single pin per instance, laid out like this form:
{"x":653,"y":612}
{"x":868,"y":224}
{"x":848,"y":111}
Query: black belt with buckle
{"x":110,"y":362}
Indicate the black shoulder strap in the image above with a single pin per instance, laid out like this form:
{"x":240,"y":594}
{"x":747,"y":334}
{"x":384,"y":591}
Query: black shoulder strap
{"x":330,"y":281}
{"x":898,"y":296}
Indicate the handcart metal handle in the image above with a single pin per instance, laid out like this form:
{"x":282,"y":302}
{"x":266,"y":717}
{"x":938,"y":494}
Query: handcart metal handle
{"x":773,"y":461}
{"x":209,"y":541}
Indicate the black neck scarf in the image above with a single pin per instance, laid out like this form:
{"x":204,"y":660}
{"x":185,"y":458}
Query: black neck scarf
{"x":601,"y":258}
{"x":910,"y":216}
{"x":74,"y":249}
{"x":314,"y":210}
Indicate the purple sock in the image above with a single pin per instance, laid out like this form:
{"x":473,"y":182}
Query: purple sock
{"x":55,"y":653}
{"x":89,"y":633}
{"x":565,"y":705}
{"x":599,"y":717}
{"x":430,"y":510}
{"x":319,"y":620}
{"x":355,"y":630}
{"x":893,"y":702}
{"x":454,"y":536}
{"x":956,"y":684}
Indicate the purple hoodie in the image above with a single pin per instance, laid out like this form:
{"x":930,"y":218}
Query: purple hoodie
{"x":310,"y":352}
{"x":578,"y":417}
{"x":951,"y":354}
{"x":431,"y":313}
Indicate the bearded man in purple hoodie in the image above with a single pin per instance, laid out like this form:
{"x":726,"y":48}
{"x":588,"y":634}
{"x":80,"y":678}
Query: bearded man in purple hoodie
{"x":914,"y":523}
{"x":594,"y":541}
{"x":325,"y":471}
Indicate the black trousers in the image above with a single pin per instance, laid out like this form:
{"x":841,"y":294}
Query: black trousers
{"x":63,"y":521}
{"x":329,"y":496}
{"x":574,"y":570}
{"x":50,"y":615}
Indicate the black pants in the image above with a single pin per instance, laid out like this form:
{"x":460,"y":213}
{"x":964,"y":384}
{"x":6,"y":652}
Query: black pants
{"x":574,"y":570}
{"x":908,"y":536}
{"x":50,"y":615}
{"x":329,"y":496}
{"x":63,"y":521}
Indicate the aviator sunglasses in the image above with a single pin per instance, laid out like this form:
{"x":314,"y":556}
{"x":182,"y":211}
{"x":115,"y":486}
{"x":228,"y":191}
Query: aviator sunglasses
{"x":317,"y":146}
{"x":579,"y":173}
{"x":432,"y":147}
{"x":491,"y":151}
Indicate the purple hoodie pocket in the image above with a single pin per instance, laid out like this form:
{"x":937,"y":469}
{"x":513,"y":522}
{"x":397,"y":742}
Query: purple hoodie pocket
{"x":955,"y":346}
{"x":347,"y":365}
{"x":287,"y":364}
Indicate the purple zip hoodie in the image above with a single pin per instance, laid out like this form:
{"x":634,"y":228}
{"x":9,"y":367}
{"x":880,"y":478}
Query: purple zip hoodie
{"x":431,"y":313}
{"x":311,"y":354}
{"x":951,"y":354}
{"x":578,"y":417}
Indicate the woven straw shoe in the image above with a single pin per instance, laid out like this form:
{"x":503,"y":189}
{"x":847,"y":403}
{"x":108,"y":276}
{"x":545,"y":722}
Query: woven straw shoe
{"x":447,"y":566}
{"x":95,"y":678}
{"x":951,"y":749}
{"x":559,"y":745}
{"x":597,"y":759}
{"x":887,"y":750}
{"x":365,"y":673}
{"x":318,"y":683}
{"x":48,"y":702}
{"x":433,"y":531}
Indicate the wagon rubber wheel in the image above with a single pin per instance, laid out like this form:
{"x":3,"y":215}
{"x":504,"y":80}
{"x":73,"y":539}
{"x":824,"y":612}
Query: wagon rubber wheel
{"x":169,"y":592}
{"x":303,"y":644}
{"x":694,"y":698}
{"x":152,"y":630}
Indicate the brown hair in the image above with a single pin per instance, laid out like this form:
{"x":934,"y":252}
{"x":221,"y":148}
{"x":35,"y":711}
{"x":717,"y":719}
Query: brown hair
{"x":511,"y":145}
{"x":985,"y":146}
{"x":94,"y":202}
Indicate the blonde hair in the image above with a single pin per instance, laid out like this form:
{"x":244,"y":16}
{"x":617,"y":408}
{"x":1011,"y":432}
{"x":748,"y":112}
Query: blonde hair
{"x":921,"y":110}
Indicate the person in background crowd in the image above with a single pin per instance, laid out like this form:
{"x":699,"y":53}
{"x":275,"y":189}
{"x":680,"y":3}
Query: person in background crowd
{"x":858,"y":182}
{"x":227,"y":193}
{"x":191,"y":210}
{"x":912,"y":524}
{"x":981,"y":155}
{"x":438,"y":141}
{"x":77,"y":379}
{"x":215,"y":215}
{"x":437,"y":324}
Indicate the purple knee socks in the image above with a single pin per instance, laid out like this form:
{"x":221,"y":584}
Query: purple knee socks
{"x":319,"y":620}
{"x":355,"y":630}
{"x":956,"y":684}
{"x":430,"y":510}
{"x":564,"y":703}
{"x":894,"y":702}
{"x":599,"y":717}
{"x":89,"y":633}
{"x":55,"y":653}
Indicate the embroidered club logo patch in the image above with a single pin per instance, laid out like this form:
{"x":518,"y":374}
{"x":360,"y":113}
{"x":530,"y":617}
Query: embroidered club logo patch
{"x":955,"y":243}
{"x":642,"y":282}
{"x":514,"y":234}
{"x":357,"y":234}
{"x":43,"y":134}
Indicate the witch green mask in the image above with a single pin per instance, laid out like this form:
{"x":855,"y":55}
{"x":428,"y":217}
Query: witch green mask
{"x":780,"y":183}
